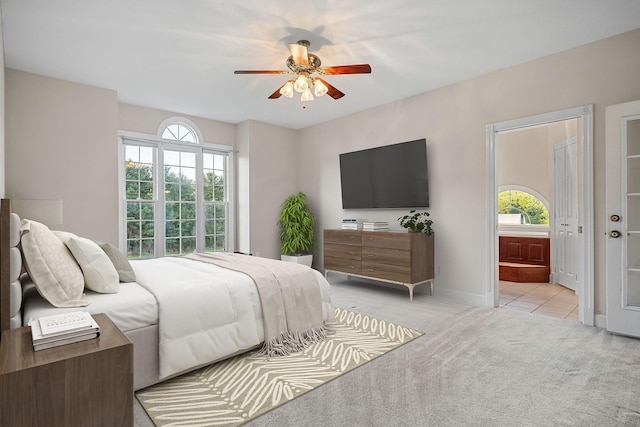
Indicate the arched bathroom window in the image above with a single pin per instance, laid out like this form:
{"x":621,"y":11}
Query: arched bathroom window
{"x":521,"y":207}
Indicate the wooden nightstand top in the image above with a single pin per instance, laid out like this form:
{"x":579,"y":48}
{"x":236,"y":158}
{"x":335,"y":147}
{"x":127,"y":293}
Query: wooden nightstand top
{"x":16,"y":347}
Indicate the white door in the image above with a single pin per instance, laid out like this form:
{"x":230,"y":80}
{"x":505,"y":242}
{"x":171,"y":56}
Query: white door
{"x":623,"y":218}
{"x":565,"y":224}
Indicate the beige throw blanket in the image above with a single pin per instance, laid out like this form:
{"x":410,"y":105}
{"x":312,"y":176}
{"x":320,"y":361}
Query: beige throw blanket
{"x":290,"y":299}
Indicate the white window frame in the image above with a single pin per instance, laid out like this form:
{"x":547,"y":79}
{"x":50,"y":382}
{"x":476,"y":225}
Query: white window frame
{"x":161,"y":144}
{"x":184,"y":122}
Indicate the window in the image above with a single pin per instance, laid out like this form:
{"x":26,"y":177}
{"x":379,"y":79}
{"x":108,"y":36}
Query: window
{"x":520,"y":207}
{"x":176,"y":194}
{"x":180,"y":132}
{"x":139,"y":196}
{"x":180,"y":202}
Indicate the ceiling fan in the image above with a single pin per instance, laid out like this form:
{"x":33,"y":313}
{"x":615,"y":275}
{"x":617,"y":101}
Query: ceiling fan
{"x":307,"y":68}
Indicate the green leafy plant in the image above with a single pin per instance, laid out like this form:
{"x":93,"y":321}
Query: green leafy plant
{"x":296,"y":225}
{"x":418,"y":222}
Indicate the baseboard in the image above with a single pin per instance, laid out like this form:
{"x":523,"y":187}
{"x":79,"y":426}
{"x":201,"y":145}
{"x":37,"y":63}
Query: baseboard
{"x":601,"y":321}
{"x":464,"y":297}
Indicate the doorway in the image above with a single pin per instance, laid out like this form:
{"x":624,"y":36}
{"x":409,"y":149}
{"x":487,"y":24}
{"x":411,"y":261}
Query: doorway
{"x":583,"y":189}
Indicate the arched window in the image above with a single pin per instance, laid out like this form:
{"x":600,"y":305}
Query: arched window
{"x":521,"y":207}
{"x":180,"y":132}
{"x":180,"y":129}
{"x":177,"y":192}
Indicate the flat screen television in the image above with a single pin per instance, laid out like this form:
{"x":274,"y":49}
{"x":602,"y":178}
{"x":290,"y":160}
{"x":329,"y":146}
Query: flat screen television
{"x":392,"y":176}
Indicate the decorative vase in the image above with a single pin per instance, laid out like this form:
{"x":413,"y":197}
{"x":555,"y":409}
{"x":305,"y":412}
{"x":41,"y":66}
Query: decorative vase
{"x":301,"y":259}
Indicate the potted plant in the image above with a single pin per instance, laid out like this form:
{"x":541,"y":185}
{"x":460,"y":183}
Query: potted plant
{"x":417,"y":222}
{"x":296,"y":230}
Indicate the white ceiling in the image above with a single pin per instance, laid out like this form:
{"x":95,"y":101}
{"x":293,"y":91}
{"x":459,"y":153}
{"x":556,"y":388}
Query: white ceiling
{"x":180,"y":55}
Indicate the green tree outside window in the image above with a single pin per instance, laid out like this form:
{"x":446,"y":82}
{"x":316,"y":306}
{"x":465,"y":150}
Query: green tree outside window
{"x":520,"y":202}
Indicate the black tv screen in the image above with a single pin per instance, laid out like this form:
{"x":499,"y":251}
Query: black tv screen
{"x":393,"y":176}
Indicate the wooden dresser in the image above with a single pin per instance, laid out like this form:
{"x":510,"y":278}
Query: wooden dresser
{"x":88,"y":383}
{"x":397,"y":257}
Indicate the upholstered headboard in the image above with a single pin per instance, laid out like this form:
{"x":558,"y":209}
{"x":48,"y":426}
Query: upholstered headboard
{"x":10,"y":268}
{"x":5,"y":264}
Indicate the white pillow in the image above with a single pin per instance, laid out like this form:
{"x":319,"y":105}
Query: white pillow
{"x":51,"y":266}
{"x":64,"y":236}
{"x":99,"y":273}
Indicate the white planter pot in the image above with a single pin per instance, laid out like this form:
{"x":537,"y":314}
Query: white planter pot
{"x":303,"y":259}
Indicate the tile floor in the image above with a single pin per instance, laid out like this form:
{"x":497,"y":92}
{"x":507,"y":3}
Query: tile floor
{"x":540,"y":298}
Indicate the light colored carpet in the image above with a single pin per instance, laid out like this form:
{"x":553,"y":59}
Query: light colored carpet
{"x":232,"y":392}
{"x":475,"y":366}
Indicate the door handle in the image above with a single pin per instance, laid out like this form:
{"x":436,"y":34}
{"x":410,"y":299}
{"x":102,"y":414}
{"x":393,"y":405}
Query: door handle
{"x":615,"y":234}
{"x":615,"y":218}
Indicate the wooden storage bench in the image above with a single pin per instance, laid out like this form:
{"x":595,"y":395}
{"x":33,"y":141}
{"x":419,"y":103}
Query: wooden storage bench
{"x":524,"y":259}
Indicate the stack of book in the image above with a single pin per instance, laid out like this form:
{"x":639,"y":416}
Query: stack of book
{"x":61,"y":329}
{"x":375,"y":226}
{"x":352,"y":224}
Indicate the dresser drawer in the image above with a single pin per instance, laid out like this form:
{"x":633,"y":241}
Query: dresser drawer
{"x":396,"y":273}
{"x":386,"y":240}
{"x":343,"y":237}
{"x":342,"y":264}
{"x":386,"y":256}
{"x":334,"y":250}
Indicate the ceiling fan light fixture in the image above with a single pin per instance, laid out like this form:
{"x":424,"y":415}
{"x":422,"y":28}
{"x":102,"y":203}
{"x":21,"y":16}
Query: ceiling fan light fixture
{"x":319,"y":88}
{"x":301,"y":83}
{"x":287,"y":89}
{"x":303,"y":66}
{"x":306,"y":95}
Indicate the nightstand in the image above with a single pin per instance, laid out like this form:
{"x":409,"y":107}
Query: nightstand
{"x":89,"y":383}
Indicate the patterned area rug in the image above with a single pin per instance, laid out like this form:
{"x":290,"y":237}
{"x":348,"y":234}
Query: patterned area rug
{"x":236,"y":390}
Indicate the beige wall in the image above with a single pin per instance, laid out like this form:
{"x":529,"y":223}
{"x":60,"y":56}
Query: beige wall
{"x":524,"y":159}
{"x":453,"y":120}
{"x":72,"y":152}
{"x":267,"y":174}
{"x":61,"y":129}
{"x":525,"y":156}
{"x":61,"y":144}
{"x":73,"y":157}
{"x":147,"y":120}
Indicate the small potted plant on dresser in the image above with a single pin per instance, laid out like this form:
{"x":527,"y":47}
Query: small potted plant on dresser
{"x":296,"y":230}
{"x":417,"y":222}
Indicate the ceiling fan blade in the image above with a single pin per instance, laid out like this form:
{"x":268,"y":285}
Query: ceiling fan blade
{"x":347,"y":69}
{"x":333,"y":92}
{"x":299,"y":54}
{"x":276,"y":94}
{"x":260,"y":72}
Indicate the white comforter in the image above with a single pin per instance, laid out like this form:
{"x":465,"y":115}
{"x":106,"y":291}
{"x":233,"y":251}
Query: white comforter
{"x":205,"y":312}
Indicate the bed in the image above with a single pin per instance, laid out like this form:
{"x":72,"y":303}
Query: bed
{"x":180,"y":313}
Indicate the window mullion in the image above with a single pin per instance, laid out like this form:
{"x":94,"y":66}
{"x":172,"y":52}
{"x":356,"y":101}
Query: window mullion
{"x":159,"y":202}
{"x":200,"y":245}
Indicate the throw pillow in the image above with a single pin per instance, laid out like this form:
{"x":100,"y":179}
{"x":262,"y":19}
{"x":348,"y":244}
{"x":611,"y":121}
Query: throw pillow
{"x":51,"y":266}
{"x":120,"y":261}
{"x":99,"y":273}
